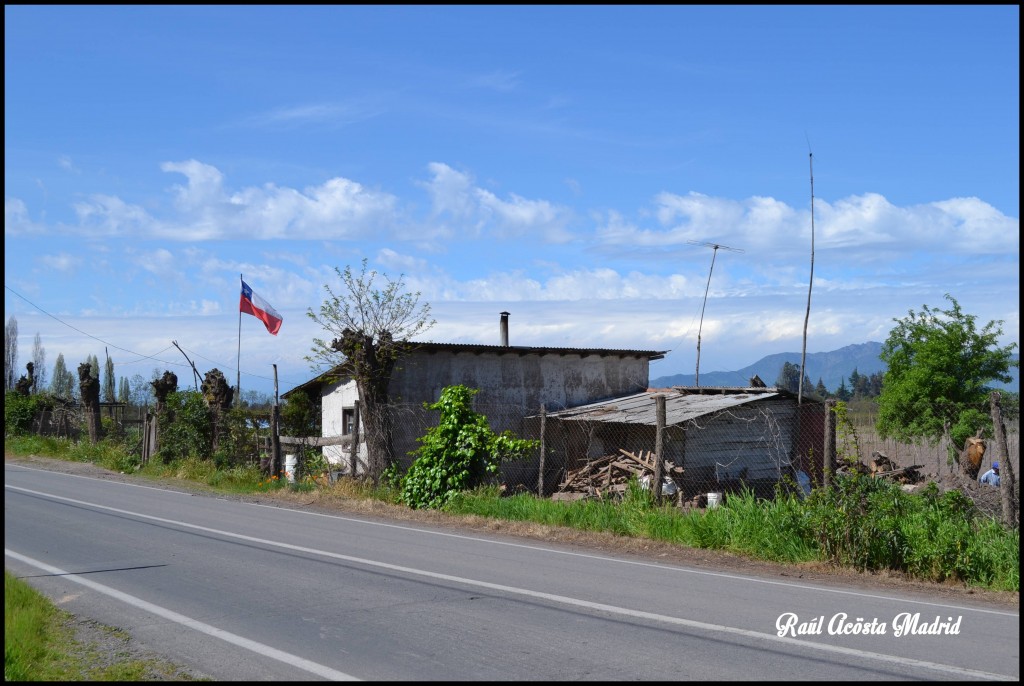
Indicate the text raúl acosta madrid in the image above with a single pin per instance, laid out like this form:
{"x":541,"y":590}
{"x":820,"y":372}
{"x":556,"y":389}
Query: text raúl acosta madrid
{"x":841,"y":624}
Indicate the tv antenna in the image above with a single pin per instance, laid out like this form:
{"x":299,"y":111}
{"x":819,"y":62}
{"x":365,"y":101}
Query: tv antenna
{"x":715,"y":248}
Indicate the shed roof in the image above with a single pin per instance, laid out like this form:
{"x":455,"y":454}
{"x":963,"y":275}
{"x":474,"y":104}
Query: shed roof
{"x":681,"y":404}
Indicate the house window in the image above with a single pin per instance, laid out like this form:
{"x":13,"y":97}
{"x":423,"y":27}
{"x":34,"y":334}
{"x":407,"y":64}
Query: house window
{"x":348,"y":420}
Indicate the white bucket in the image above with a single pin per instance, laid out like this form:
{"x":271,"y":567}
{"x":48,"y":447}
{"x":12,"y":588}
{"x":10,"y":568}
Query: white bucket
{"x":289,"y":468}
{"x":714,"y":500}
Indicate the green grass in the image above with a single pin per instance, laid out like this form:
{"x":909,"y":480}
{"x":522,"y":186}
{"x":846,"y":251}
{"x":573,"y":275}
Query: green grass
{"x":40,"y":645}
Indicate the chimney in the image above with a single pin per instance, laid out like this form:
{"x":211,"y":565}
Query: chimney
{"x":504,"y":329}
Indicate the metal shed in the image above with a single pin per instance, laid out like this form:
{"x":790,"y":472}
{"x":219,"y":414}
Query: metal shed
{"x":723,"y":438}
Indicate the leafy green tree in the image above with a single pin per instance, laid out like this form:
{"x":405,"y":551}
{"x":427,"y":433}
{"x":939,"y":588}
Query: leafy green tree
{"x":372,"y":328}
{"x":109,"y":381}
{"x":843,"y":393}
{"x":789,"y":378}
{"x":458,"y":453}
{"x":63,"y":384}
{"x":39,"y":360}
{"x":10,"y":353}
{"x":940,"y":366}
{"x":821,"y":390}
{"x":124,"y":391}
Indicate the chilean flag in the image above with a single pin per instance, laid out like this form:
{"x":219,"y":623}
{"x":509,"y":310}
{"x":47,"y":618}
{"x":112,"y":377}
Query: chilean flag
{"x":253,"y":304}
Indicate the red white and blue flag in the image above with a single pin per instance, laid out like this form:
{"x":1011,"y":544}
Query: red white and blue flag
{"x":253,"y":304}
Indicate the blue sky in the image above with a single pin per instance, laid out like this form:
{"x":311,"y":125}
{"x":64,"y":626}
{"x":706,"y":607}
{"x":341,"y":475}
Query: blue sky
{"x":563,"y":164}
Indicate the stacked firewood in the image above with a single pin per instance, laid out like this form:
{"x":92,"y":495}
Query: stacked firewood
{"x":882,"y":466}
{"x":608,"y":475}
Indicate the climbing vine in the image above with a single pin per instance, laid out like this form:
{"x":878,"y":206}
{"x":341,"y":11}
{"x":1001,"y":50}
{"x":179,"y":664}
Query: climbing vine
{"x":459,"y":453}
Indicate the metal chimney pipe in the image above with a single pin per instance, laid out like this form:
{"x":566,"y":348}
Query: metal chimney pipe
{"x":504,"y":329}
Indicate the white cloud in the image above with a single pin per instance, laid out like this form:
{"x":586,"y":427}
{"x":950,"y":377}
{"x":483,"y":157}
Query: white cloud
{"x":16,"y":219}
{"x":61,"y":262}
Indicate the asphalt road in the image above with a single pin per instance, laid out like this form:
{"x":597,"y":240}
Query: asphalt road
{"x":242,"y":591}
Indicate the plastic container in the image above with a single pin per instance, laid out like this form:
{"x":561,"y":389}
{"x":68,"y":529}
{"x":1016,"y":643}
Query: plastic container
{"x":289,"y":468}
{"x":714,"y":500}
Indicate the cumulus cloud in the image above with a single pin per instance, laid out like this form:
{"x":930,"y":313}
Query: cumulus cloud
{"x":17,"y":221}
{"x":455,"y":195}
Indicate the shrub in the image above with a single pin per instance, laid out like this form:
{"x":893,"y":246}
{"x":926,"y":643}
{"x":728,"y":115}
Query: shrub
{"x":20,"y":411}
{"x":458,"y":453}
{"x":185,"y":427}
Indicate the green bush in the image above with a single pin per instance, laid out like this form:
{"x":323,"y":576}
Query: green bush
{"x":458,"y":453}
{"x":185,"y":427}
{"x":20,"y":411}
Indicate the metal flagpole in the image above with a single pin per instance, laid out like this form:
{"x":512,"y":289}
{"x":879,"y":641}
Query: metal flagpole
{"x":238,"y":364}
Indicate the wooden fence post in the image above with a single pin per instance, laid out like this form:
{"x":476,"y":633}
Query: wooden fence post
{"x":829,"y":456}
{"x":659,"y":445}
{"x":354,"y":455}
{"x":540,"y":470}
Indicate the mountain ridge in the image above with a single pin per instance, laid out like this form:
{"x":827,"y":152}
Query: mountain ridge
{"x":832,"y":367}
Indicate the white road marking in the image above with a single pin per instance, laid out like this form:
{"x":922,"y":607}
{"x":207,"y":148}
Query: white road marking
{"x":241,"y":641}
{"x":564,"y":600}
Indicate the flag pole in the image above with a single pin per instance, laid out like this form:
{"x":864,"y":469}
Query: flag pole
{"x":238,"y":364}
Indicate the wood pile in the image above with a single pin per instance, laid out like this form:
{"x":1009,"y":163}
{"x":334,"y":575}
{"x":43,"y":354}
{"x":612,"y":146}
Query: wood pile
{"x":609,"y":474}
{"x":881,"y":466}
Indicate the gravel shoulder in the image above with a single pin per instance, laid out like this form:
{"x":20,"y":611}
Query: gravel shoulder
{"x":710,"y":560}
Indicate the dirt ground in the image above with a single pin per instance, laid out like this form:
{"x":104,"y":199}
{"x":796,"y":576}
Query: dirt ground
{"x":818,"y":574}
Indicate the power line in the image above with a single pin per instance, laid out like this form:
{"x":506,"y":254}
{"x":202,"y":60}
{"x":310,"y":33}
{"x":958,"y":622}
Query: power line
{"x":141,"y":356}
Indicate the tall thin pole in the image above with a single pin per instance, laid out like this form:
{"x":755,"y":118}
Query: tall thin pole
{"x":696,"y":380}
{"x":807,"y":316}
{"x":238,"y":364}
{"x":715,"y":246}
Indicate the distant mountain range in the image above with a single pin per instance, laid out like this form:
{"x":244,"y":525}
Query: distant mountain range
{"x":832,"y":368}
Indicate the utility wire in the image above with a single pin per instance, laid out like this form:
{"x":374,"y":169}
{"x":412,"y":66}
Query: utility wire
{"x":141,"y":356}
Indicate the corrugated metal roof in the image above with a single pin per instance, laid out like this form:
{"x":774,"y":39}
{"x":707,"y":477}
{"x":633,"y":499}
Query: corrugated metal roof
{"x":680,"y":405}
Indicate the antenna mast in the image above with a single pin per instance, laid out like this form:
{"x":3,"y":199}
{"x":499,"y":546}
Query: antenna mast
{"x":715,"y":248}
{"x":807,"y":316}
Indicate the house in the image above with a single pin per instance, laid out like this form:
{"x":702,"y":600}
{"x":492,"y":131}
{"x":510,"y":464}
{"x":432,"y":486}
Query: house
{"x":514,"y":382}
{"x":724,"y":439}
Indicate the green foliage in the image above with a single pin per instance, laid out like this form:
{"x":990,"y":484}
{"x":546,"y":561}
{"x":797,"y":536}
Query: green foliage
{"x":300,"y":416}
{"x":185,"y":427}
{"x":62,"y":383}
{"x":459,"y":453}
{"x":20,"y":411}
{"x":238,"y":439}
{"x":939,"y":370}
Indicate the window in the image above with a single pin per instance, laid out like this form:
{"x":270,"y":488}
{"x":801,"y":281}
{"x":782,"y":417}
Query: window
{"x":348,"y":420}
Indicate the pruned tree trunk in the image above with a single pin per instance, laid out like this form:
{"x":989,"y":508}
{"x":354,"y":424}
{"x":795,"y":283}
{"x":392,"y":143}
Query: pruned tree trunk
{"x":90,"y":390}
{"x":372,"y":364}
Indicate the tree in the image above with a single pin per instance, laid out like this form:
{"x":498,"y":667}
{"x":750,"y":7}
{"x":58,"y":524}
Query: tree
{"x":109,"y":380}
{"x":124,"y":391}
{"x":789,"y":378}
{"x":94,"y":366}
{"x":371,"y":328}
{"x":62,"y":384}
{"x":821,"y":390}
{"x":39,"y":362}
{"x":939,"y":368}
{"x":843,"y":393}
{"x":10,"y":353}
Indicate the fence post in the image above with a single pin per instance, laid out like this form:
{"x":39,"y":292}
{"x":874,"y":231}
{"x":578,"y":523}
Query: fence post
{"x":828,"y":457}
{"x":659,"y":443}
{"x":540,"y":470}
{"x":1002,"y":456}
{"x":354,"y":455}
